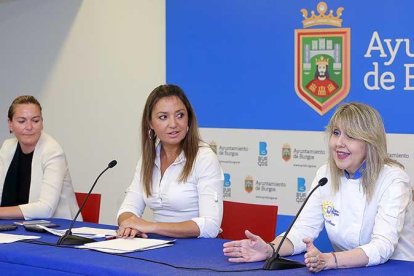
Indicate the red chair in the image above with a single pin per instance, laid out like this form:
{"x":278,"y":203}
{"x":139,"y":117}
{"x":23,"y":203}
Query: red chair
{"x":258,"y":219}
{"x":90,"y":212}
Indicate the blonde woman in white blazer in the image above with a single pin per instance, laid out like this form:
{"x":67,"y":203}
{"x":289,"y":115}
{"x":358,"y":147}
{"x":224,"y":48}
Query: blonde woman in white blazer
{"x":34,"y":175}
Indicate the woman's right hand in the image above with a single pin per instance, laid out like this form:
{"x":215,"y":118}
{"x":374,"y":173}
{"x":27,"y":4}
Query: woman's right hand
{"x":128,"y":226}
{"x":252,"y":249}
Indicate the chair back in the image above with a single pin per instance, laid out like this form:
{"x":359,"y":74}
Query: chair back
{"x":90,"y":212}
{"x":258,"y":219}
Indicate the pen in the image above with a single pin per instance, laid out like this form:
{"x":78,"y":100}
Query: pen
{"x":110,"y":238}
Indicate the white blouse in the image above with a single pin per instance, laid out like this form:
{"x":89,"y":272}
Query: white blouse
{"x":200,"y":199}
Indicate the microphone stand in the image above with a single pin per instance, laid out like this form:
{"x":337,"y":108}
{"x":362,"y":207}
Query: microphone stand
{"x":278,"y":263}
{"x":68,"y":238}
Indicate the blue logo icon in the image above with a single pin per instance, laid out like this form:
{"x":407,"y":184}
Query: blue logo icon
{"x":301,"y":184}
{"x":262,"y":148}
{"x":227,"y":181}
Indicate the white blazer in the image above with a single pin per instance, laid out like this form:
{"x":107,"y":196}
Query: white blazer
{"x":51,"y":190}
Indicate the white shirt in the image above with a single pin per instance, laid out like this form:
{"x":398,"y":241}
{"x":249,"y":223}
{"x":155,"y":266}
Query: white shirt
{"x":199,"y":199}
{"x":51,"y":191}
{"x":382,"y":227}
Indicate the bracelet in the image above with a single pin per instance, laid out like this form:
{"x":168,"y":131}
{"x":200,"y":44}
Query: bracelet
{"x":272,"y":245}
{"x":336,"y":260}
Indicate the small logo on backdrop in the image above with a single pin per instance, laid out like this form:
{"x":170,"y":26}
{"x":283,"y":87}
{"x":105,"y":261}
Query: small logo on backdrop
{"x":248,"y":184}
{"x":227,"y":186}
{"x":262,"y":158}
{"x":286,"y":152}
{"x":262,"y":148}
{"x":322,"y":59}
{"x":301,"y":190}
{"x":227,"y":181}
{"x":213,"y":146}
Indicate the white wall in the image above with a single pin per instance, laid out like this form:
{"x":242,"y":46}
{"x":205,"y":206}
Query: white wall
{"x":91,"y":64}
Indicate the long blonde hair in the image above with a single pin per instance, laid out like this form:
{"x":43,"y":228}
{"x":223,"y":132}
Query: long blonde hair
{"x":189,"y":145}
{"x":364,"y":123}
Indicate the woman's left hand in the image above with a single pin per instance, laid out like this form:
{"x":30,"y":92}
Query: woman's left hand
{"x":134,"y":226}
{"x":315,"y":260}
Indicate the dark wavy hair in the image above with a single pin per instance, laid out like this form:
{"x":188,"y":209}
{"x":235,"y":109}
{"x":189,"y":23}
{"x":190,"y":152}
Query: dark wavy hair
{"x":148,"y":142}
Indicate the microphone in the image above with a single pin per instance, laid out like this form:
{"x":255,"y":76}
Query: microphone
{"x":278,"y":263}
{"x":68,"y":238}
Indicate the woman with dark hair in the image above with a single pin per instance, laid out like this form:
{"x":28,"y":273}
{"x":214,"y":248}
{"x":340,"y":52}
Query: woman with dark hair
{"x":34,"y":175}
{"x":178,"y":176}
{"x":366,"y":207}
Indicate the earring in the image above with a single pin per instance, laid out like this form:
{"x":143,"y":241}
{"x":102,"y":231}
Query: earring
{"x":151,"y":134}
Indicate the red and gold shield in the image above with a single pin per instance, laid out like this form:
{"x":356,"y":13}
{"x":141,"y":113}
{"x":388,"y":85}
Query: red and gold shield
{"x":322,"y":67}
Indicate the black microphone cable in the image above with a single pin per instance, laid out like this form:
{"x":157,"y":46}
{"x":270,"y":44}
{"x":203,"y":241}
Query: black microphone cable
{"x":144,"y":259}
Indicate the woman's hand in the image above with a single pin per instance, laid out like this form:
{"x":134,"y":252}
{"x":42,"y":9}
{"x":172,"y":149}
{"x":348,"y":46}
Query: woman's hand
{"x":133,"y":226}
{"x":314,"y":259}
{"x":252,"y":249}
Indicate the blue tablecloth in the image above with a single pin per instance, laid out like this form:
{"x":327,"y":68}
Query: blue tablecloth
{"x":185,"y":257}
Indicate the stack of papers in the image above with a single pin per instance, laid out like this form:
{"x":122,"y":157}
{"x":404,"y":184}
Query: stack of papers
{"x":87,"y":232}
{"x":127,"y":245}
{"x":32,"y":222}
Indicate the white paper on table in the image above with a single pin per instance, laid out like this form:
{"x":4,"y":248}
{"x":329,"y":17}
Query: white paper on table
{"x":127,"y":245}
{"x":9,"y":238}
{"x":94,"y":231}
{"x":30,"y":222}
{"x":88,"y":232}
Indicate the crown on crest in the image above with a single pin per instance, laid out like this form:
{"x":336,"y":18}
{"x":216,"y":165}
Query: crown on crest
{"x":322,"y":61}
{"x":322,"y":18}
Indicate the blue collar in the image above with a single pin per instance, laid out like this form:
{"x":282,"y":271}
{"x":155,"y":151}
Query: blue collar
{"x":358,"y":173}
